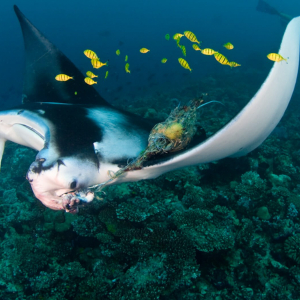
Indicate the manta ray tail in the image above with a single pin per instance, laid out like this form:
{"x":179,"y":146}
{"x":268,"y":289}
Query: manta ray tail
{"x":43,"y":62}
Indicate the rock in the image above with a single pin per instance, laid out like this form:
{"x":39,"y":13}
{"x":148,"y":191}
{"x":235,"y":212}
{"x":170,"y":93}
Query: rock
{"x":263,"y":213}
{"x":280,"y":180}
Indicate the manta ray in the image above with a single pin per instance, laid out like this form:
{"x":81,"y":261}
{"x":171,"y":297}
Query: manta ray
{"x":80,"y":137}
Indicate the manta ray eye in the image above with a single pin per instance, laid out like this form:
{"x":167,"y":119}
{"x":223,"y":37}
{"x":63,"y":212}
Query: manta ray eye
{"x":73,"y":184}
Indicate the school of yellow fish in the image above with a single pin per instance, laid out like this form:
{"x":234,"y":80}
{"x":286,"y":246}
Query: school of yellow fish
{"x":220,"y":58}
{"x":97,"y":64}
{"x":206,"y":51}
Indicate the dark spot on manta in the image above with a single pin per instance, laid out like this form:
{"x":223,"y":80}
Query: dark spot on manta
{"x":59,"y":163}
{"x":120,"y":162}
{"x":73,"y":185}
{"x":37,"y":166}
{"x":20,"y":111}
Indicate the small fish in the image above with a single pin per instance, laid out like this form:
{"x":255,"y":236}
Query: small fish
{"x":106,"y":75}
{"x":89,"y":81}
{"x":167,"y":36}
{"x":118,"y":52}
{"x":191,"y":36}
{"x":221,"y":58}
{"x":144,"y":50}
{"x":228,"y":46}
{"x":184,"y":63}
{"x":91,"y":74}
{"x":177,"y":35}
{"x":90,"y":54}
{"x":177,"y":42}
{"x":75,"y":93}
{"x":63,"y":77}
{"x":196,"y":47}
{"x":96,"y":63}
{"x":127,"y":68}
{"x":233,"y":64}
{"x":275,"y":57}
{"x":126,"y":57}
{"x":183,"y":50}
{"x":208,"y":51}
{"x":164,"y":60}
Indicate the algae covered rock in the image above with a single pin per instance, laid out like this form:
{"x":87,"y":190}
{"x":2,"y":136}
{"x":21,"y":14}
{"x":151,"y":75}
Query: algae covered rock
{"x":136,"y":209}
{"x":280,"y":180}
{"x":251,"y":185}
{"x":263,"y":213}
{"x":208,"y":231}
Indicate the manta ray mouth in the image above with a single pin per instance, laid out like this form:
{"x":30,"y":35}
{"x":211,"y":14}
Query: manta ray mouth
{"x":73,"y":200}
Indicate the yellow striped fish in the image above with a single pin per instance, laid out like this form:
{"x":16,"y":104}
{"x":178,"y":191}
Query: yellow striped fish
{"x":89,"y":81}
{"x":118,"y":52}
{"x":164,"y":60}
{"x":126,"y":57}
{"x":106,"y":75}
{"x":275,"y":57}
{"x":233,"y":64}
{"x":183,"y":50}
{"x":196,"y":47}
{"x":127,"y":68}
{"x":63,"y":77}
{"x":191,"y":36}
{"x":91,"y":74}
{"x":96,"y":63}
{"x":184,"y":63}
{"x":221,"y":58}
{"x":167,"y":36}
{"x":144,"y":50}
{"x":228,"y":46}
{"x":90,"y":54}
{"x":208,"y":51}
{"x":177,"y":35}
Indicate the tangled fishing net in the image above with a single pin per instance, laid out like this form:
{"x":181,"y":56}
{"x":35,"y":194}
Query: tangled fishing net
{"x":174,"y":134}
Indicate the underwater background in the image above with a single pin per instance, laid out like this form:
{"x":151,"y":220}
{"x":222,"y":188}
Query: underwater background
{"x":224,"y":230}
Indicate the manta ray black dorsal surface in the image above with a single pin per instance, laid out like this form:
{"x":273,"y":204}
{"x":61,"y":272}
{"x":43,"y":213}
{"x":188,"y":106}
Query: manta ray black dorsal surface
{"x":43,"y":62}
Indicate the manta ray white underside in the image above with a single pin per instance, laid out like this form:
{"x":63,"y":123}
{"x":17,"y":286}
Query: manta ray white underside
{"x":73,"y":157}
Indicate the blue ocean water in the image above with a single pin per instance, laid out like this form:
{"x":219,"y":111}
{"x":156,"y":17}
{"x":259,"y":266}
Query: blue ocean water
{"x":225,"y":230}
{"x":131,"y":25}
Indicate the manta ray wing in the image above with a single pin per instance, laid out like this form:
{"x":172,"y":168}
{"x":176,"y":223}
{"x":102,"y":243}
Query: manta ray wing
{"x":252,"y":125}
{"x":22,"y":127}
{"x":43,"y":62}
